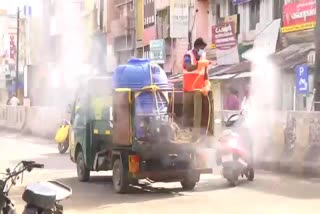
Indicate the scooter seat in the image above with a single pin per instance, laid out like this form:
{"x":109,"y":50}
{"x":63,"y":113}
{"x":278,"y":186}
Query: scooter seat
{"x":40,"y":195}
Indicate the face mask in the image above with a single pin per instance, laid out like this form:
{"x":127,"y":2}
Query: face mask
{"x":201,"y":52}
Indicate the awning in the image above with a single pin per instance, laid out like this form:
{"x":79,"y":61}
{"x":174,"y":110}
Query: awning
{"x":231,"y":76}
{"x":293,"y":55}
{"x":232,"y":69}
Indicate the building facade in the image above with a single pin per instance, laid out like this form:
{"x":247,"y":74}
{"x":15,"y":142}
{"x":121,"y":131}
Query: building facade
{"x":121,"y":30}
{"x":281,"y":28}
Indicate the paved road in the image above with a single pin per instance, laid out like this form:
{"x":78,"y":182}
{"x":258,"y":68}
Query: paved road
{"x":269,"y":193}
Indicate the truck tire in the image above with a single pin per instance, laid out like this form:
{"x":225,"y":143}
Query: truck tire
{"x":120,"y":177}
{"x":82,"y":170}
{"x":188,"y":183}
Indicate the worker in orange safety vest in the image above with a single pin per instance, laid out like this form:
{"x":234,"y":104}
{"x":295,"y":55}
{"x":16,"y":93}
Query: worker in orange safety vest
{"x":195,"y":79}
{"x":195,"y":75}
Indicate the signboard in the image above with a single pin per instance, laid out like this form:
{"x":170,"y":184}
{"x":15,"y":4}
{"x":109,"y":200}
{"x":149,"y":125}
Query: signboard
{"x":299,"y":15}
{"x":157,"y":51}
{"x":13,"y":47}
{"x":27,"y":11}
{"x":237,"y":2}
{"x":234,"y":19}
{"x":302,"y":83}
{"x":266,"y":42}
{"x":224,"y":36}
{"x":226,"y":43}
{"x":179,"y":18}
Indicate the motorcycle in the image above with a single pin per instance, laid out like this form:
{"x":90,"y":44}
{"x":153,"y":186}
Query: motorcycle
{"x":10,"y":178}
{"x":62,"y":137}
{"x":40,"y":198}
{"x":234,"y":155}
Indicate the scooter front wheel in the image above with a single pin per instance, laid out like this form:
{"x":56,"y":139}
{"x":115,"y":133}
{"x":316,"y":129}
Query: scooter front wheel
{"x":63,"y":147}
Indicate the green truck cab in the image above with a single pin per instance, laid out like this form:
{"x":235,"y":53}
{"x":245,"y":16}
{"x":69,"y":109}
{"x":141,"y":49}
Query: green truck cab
{"x":91,"y":125}
{"x":103,"y":136}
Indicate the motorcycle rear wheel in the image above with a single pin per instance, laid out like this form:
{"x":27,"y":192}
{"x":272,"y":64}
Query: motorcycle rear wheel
{"x":250,"y":174}
{"x":233,"y":179}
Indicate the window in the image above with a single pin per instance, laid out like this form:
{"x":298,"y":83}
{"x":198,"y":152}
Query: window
{"x":78,"y":115}
{"x":131,"y":6}
{"x":254,"y":14}
{"x":217,"y":13}
{"x":277,"y":9}
{"x":233,"y":9}
{"x":149,"y":13}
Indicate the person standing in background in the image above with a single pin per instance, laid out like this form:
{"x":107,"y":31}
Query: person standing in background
{"x":13,"y":101}
{"x":232,"y":101}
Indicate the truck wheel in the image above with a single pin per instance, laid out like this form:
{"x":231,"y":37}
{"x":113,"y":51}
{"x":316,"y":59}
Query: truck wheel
{"x":188,"y":183}
{"x":120,"y":177}
{"x":82,"y":171}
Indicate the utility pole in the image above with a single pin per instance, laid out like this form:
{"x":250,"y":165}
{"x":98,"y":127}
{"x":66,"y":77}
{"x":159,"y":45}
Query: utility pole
{"x":17,"y":52}
{"x":317,"y":62}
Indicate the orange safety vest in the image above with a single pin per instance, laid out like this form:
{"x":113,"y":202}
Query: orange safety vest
{"x":193,"y":80}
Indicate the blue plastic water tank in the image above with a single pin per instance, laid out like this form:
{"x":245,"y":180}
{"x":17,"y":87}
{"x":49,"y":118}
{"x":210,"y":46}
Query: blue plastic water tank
{"x":137,"y":74}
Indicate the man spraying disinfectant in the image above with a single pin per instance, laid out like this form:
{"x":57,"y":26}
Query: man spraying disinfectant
{"x":196,"y":85}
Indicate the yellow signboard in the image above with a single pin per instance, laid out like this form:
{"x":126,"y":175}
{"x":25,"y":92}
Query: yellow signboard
{"x":213,"y":46}
{"x":299,"y":27}
{"x":234,"y":20}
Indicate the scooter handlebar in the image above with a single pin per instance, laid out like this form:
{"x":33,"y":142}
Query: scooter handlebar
{"x":38,"y":165}
{"x":32,"y":164}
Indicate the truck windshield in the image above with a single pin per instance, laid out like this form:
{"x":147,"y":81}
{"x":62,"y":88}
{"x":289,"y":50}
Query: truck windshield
{"x":100,"y":93}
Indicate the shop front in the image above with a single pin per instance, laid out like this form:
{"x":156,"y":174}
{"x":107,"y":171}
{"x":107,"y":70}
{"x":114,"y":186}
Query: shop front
{"x":297,"y":40}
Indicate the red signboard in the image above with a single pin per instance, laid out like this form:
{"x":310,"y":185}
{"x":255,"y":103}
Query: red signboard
{"x":12,"y":47}
{"x":223,"y":36}
{"x":299,"y":15}
{"x":148,"y":35}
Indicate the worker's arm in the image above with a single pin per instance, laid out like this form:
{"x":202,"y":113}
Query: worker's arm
{"x":187,"y":63}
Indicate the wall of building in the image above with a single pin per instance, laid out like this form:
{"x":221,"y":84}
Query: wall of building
{"x":90,"y":24}
{"x":247,"y":34}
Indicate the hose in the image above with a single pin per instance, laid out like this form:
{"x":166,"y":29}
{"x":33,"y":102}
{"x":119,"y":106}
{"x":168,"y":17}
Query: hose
{"x":184,"y":136}
{"x":209,"y":103}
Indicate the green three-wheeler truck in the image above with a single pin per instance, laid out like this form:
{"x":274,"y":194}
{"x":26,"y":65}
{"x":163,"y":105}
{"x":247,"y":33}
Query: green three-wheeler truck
{"x":108,"y":132}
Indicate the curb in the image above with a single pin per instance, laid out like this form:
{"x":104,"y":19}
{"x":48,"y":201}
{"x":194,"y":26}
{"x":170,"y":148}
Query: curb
{"x":309,"y":169}
{"x":24,"y":132}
